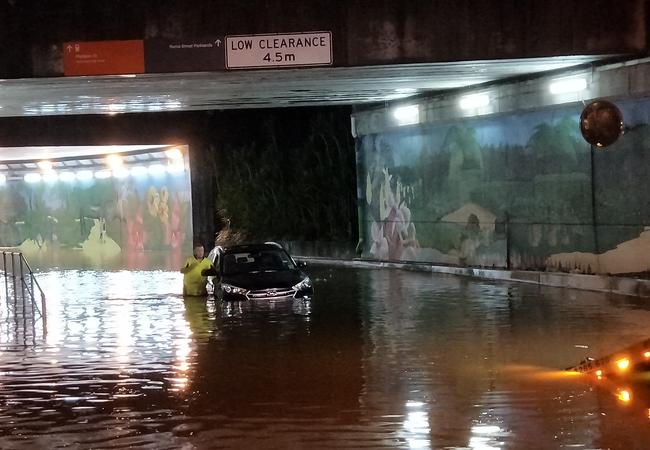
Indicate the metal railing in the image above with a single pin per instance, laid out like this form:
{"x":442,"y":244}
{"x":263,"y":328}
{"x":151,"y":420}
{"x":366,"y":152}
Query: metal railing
{"x":18,"y":272}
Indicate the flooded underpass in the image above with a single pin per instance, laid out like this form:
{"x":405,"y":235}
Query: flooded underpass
{"x":378,"y":358}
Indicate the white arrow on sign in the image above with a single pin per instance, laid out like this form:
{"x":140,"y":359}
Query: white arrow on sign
{"x":69,"y":48}
{"x":218,"y":42}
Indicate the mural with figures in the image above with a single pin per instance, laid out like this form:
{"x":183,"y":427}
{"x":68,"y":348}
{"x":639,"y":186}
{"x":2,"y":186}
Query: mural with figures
{"x":514,"y":191}
{"x":136,"y":222}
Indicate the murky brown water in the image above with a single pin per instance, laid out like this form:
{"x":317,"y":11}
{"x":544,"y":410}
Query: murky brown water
{"x":379,"y":358}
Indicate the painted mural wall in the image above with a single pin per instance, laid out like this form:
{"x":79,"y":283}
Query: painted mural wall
{"x":514,"y":191}
{"x":137,"y":222}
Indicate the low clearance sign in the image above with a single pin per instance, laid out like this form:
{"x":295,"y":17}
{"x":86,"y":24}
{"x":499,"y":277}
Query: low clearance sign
{"x":279,"y":50}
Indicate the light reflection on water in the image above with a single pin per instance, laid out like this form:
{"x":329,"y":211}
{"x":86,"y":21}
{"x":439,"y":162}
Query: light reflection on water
{"x":377,"y":359}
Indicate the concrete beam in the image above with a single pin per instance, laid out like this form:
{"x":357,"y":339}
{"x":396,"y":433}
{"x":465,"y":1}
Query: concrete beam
{"x":363,"y":32}
{"x":614,"y":81}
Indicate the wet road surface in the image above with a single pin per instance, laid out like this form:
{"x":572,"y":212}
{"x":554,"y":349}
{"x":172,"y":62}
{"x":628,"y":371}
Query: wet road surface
{"x":379,"y":358}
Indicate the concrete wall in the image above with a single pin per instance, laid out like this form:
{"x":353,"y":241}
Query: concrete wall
{"x":364,"y":32}
{"x":453,"y":30}
{"x":511,"y":183}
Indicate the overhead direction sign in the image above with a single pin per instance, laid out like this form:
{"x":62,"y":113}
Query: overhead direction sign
{"x":260,"y":51}
{"x":103,"y":57}
{"x":184,"y":55}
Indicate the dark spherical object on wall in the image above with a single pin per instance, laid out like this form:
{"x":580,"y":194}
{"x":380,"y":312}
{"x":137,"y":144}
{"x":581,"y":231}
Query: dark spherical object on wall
{"x":601,"y":123}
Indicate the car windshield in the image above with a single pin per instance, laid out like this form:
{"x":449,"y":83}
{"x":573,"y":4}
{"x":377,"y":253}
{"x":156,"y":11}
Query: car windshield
{"x":256,"y":261}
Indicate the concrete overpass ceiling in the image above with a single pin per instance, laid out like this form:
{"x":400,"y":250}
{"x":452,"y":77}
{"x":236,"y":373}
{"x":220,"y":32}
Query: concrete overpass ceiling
{"x":259,"y":89}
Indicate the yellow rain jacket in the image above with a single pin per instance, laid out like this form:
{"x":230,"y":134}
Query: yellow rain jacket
{"x":193,"y":281}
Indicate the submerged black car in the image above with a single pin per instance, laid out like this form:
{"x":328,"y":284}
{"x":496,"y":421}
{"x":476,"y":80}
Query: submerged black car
{"x":259,"y":271}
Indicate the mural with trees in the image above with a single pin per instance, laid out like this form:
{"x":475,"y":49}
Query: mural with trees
{"x":514,"y":191}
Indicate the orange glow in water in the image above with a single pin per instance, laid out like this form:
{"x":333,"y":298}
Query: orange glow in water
{"x":572,"y":373}
{"x":540,"y":373}
{"x":646,"y":355}
{"x":624,"y":395}
{"x":623,"y":364}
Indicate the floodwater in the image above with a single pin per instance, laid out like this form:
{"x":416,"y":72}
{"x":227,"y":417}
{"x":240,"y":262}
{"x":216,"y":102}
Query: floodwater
{"x":379,"y":358}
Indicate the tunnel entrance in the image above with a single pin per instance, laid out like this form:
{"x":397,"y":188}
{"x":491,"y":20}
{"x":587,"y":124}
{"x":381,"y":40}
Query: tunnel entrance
{"x":102,"y":207}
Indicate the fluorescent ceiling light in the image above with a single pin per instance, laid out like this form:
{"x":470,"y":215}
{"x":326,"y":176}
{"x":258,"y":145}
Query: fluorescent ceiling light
{"x":44,"y":165}
{"x":568,"y":85}
{"x":174,"y":153}
{"x":102,"y":174}
{"x":474,"y":101}
{"x":114,"y":161}
{"x":407,"y":115}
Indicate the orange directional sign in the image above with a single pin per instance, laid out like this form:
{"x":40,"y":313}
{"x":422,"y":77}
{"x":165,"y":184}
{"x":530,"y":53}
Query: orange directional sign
{"x":103,"y":58}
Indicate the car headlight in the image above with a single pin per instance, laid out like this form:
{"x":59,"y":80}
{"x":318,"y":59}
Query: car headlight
{"x":304,"y":284}
{"x":230,"y":289}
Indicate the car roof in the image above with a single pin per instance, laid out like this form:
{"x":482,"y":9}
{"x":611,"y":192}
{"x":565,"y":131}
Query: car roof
{"x":251,"y":248}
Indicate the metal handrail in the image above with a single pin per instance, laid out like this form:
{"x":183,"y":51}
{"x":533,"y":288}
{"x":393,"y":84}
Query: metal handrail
{"x":33,"y":281}
{"x":23,"y":283}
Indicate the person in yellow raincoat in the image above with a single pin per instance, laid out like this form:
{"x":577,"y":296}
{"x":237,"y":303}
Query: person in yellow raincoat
{"x":195,"y":272}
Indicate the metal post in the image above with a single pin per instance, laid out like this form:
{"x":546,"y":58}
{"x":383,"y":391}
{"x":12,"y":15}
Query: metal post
{"x":22,"y":276}
{"x":594,"y":218}
{"x":22,"y":288}
{"x":507,"y":220}
{"x":13,"y":272}
{"x":4,"y":261}
{"x":43,"y":313}
{"x":32,"y":297}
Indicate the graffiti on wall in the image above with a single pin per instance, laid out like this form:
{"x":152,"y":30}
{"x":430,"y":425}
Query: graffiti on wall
{"x":513,"y":191}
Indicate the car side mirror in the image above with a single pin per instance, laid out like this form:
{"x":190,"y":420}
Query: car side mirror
{"x":301,"y":264}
